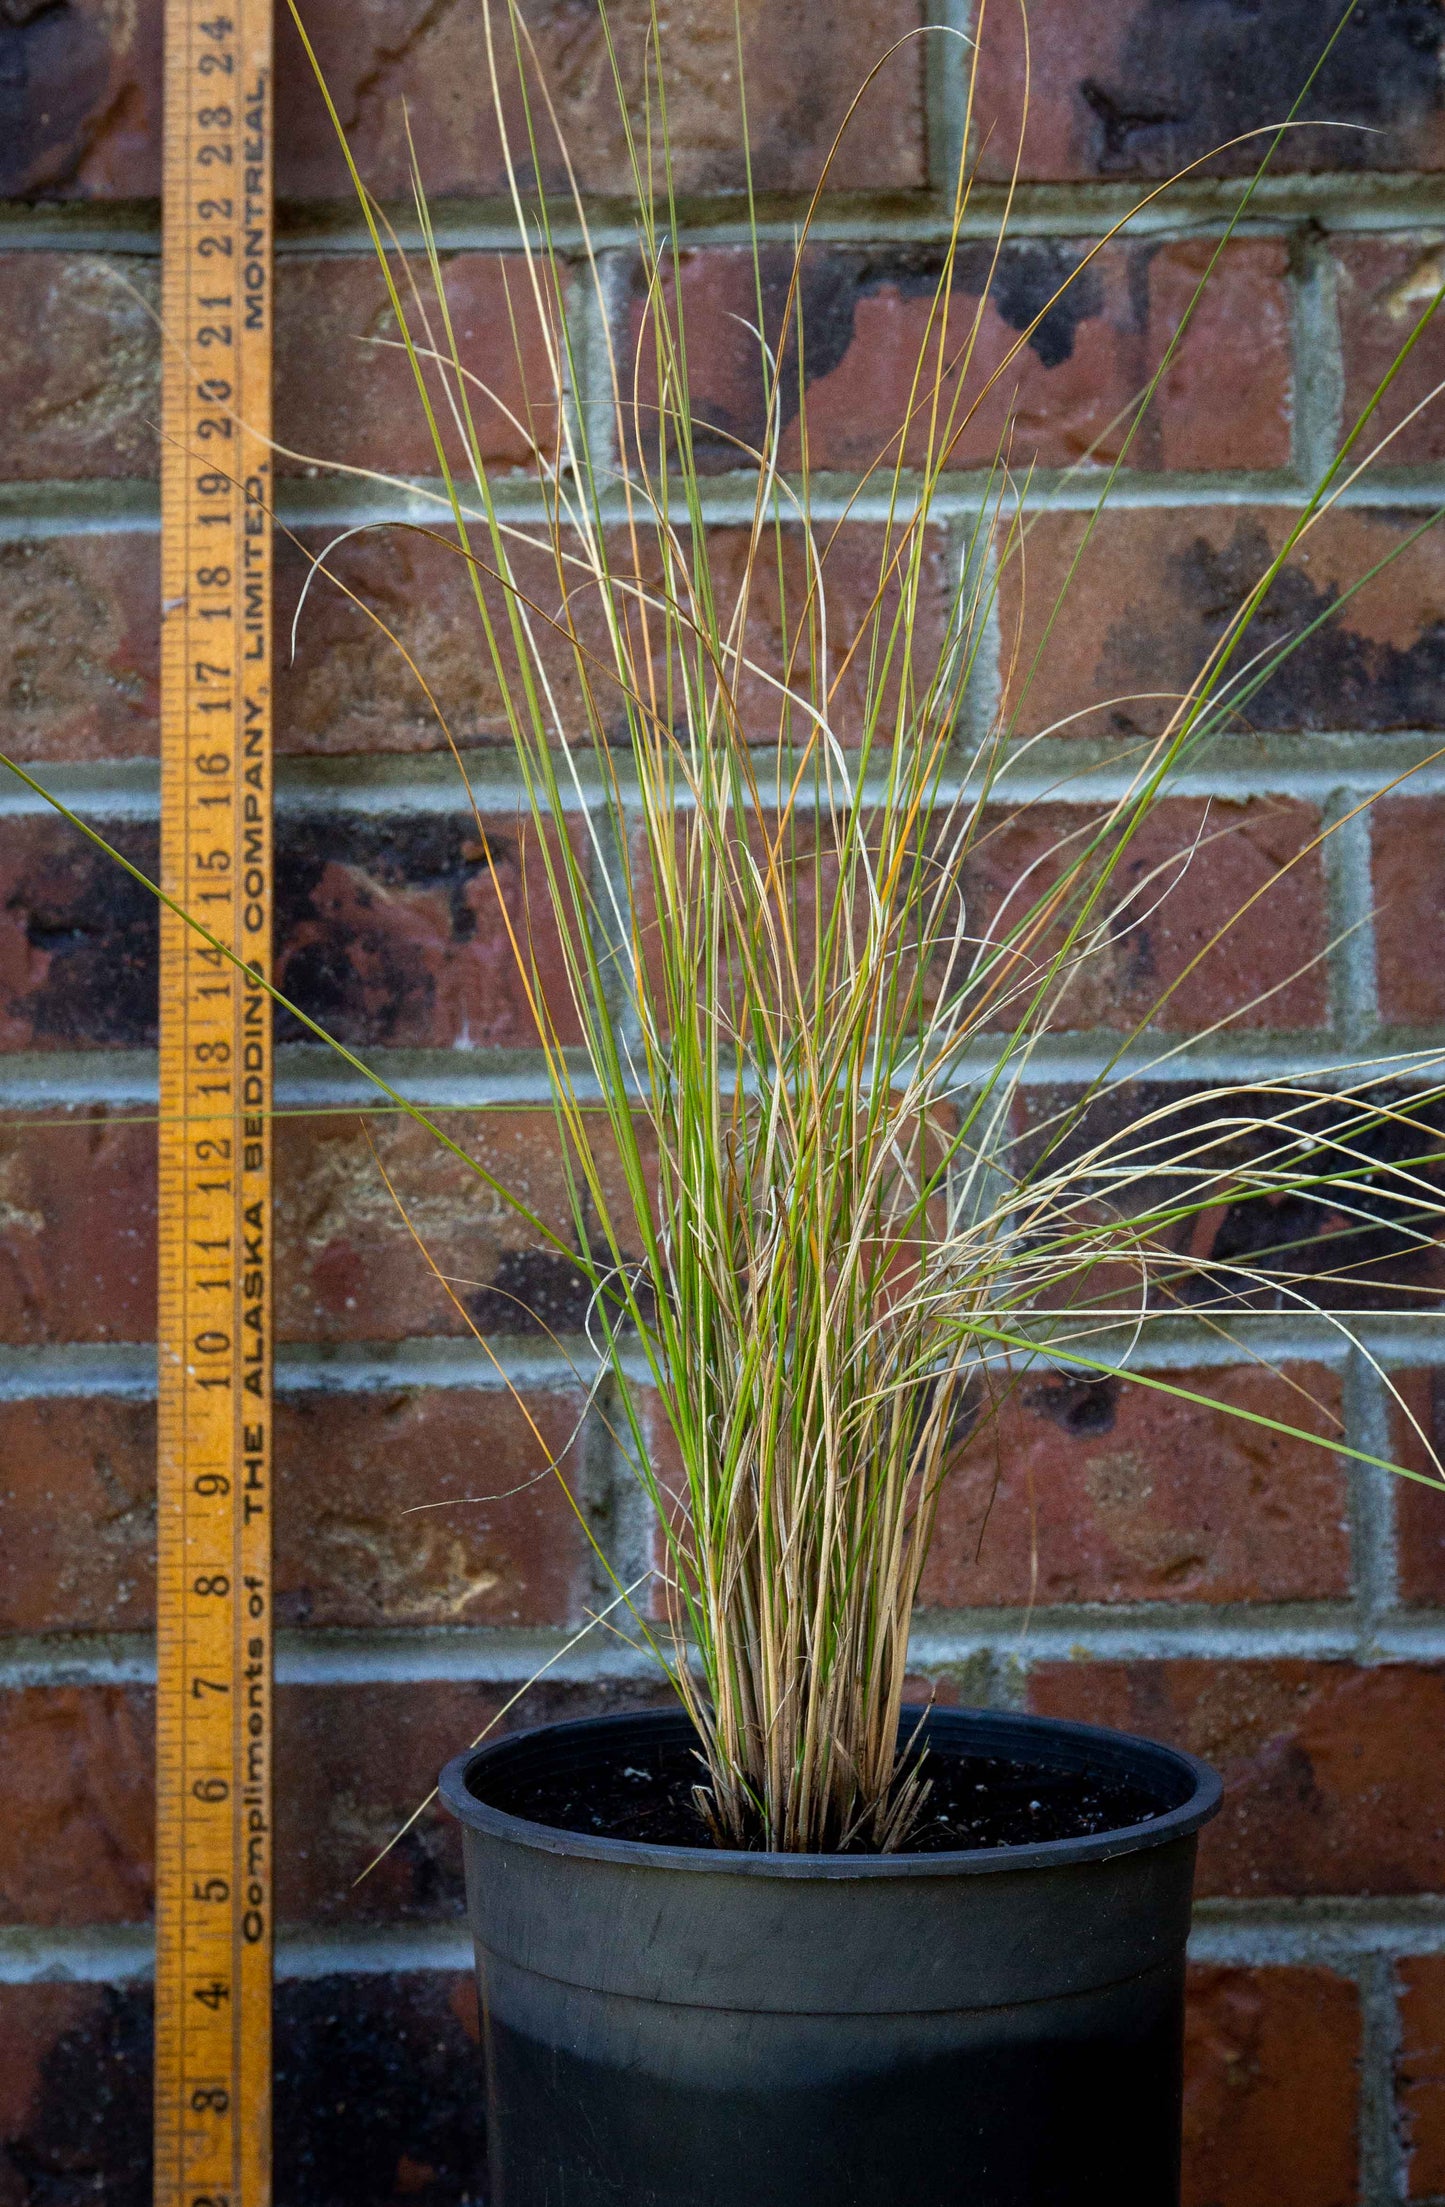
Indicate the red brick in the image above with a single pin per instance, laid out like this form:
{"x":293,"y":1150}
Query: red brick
{"x":78,"y":937}
{"x":77,"y":1229}
{"x":77,"y":1844}
{"x":1409,"y":879}
{"x":348,"y":687}
{"x":1419,"y":1510}
{"x":1141,"y":88}
{"x":79,"y":366}
{"x":416,"y":1507}
{"x":860,"y":574}
{"x":1335,"y":1259}
{"x":390,"y":58}
{"x":1154,"y":591}
{"x":77,"y":1490}
{"x":345,"y":390}
{"x":1066,"y":395}
{"x":348,"y":1265}
{"x":427,"y":1508}
{"x":1420,"y":2074}
{"x":395,"y":932}
{"x":1256,"y":2134}
{"x":1329,"y":1785}
{"x":354,"y":1762}
{"x":1385,"y":287}
{"x":1123,"y":1494}
{"x":1173,"y":957}
{"x":89,"y":125}
{"x":80,"y":647}
{"x":75,"y":2092}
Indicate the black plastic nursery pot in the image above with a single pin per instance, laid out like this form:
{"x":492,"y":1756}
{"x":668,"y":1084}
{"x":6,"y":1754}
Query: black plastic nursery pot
{"x":674,"y":2026}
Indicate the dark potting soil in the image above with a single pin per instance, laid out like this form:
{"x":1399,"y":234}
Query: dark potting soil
{"x":973,"y":1801}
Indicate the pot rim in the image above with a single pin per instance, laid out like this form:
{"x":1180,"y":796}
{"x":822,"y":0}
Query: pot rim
{"x":997,"y":1727}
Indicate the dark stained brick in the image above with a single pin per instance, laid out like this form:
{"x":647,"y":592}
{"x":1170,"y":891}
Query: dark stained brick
{"x":378,"y":2093}
{"x":401,"y":933}
{"x":1066,"y":394}
{"x":1145,"y":87}
{"x":78,"y":938}
{"x":1154,"y":592}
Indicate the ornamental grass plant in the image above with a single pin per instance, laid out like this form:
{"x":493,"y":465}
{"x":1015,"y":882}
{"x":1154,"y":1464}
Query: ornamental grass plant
{"x":822,"y":1238}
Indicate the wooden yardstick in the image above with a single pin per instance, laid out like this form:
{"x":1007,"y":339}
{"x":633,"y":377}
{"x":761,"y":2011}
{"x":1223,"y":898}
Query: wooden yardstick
{"x":213,"y":1722}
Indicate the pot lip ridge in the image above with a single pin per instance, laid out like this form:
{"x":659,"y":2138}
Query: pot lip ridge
{"x":1199,"y":1805}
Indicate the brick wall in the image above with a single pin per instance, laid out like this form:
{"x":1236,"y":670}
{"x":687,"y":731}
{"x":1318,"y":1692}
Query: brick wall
{"x":1265,"y":1605}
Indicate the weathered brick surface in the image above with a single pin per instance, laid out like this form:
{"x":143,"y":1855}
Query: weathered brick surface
{"x":1154,"y":591}
{"x":377,"y":2083}
{"x":431,"y":1508}
{"x":353,"y":1762}
{"x":387,"y":932}
{"x":78,"y":937}
{"x":1140,"y":88}
{"x":801,"y":73}
{"x":1417,"y":1437}
{"x":79,"y":365}
{"x":345,"y":388}
{"x":1385,"y":288}
{"x":79,"y":647}
{"x":1420,"y":2074}
{"x":77,"y":1491}
{"x":1379,"y":1253}
{"x":77,"y":1843}
{"x":1271,"y":2089}
{"x":1409,"y":870}
{"x":1097,"y":1491}
{"x":412,"y":1507}
{"x":77,"y":1228}
{"x":1176,"y":956}
{"x":75,"y":2093}
{"x":401,"y":933}
{"x":83,"y":117}
{"x":1326,"y":1789}
{"x":1064,"y":395}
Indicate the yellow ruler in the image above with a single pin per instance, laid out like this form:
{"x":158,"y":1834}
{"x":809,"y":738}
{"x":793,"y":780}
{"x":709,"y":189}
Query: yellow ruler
{"x":213,"y":1723}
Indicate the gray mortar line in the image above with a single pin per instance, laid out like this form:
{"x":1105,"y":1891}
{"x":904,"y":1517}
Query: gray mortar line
{"x":1343,"y":1934}
{"x":35,"y":511}
{"x":947,"y":52}
{"x":1345,"y":201}
{"x":1319,"y":372}
{"x":1383,"y":2175}
{"x":1374,"y":1560}
{"x":309,"y":1079}
{"x":127,"y":1370}
{"x":1337,"y":772}
{"x":1004,"y":1644}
